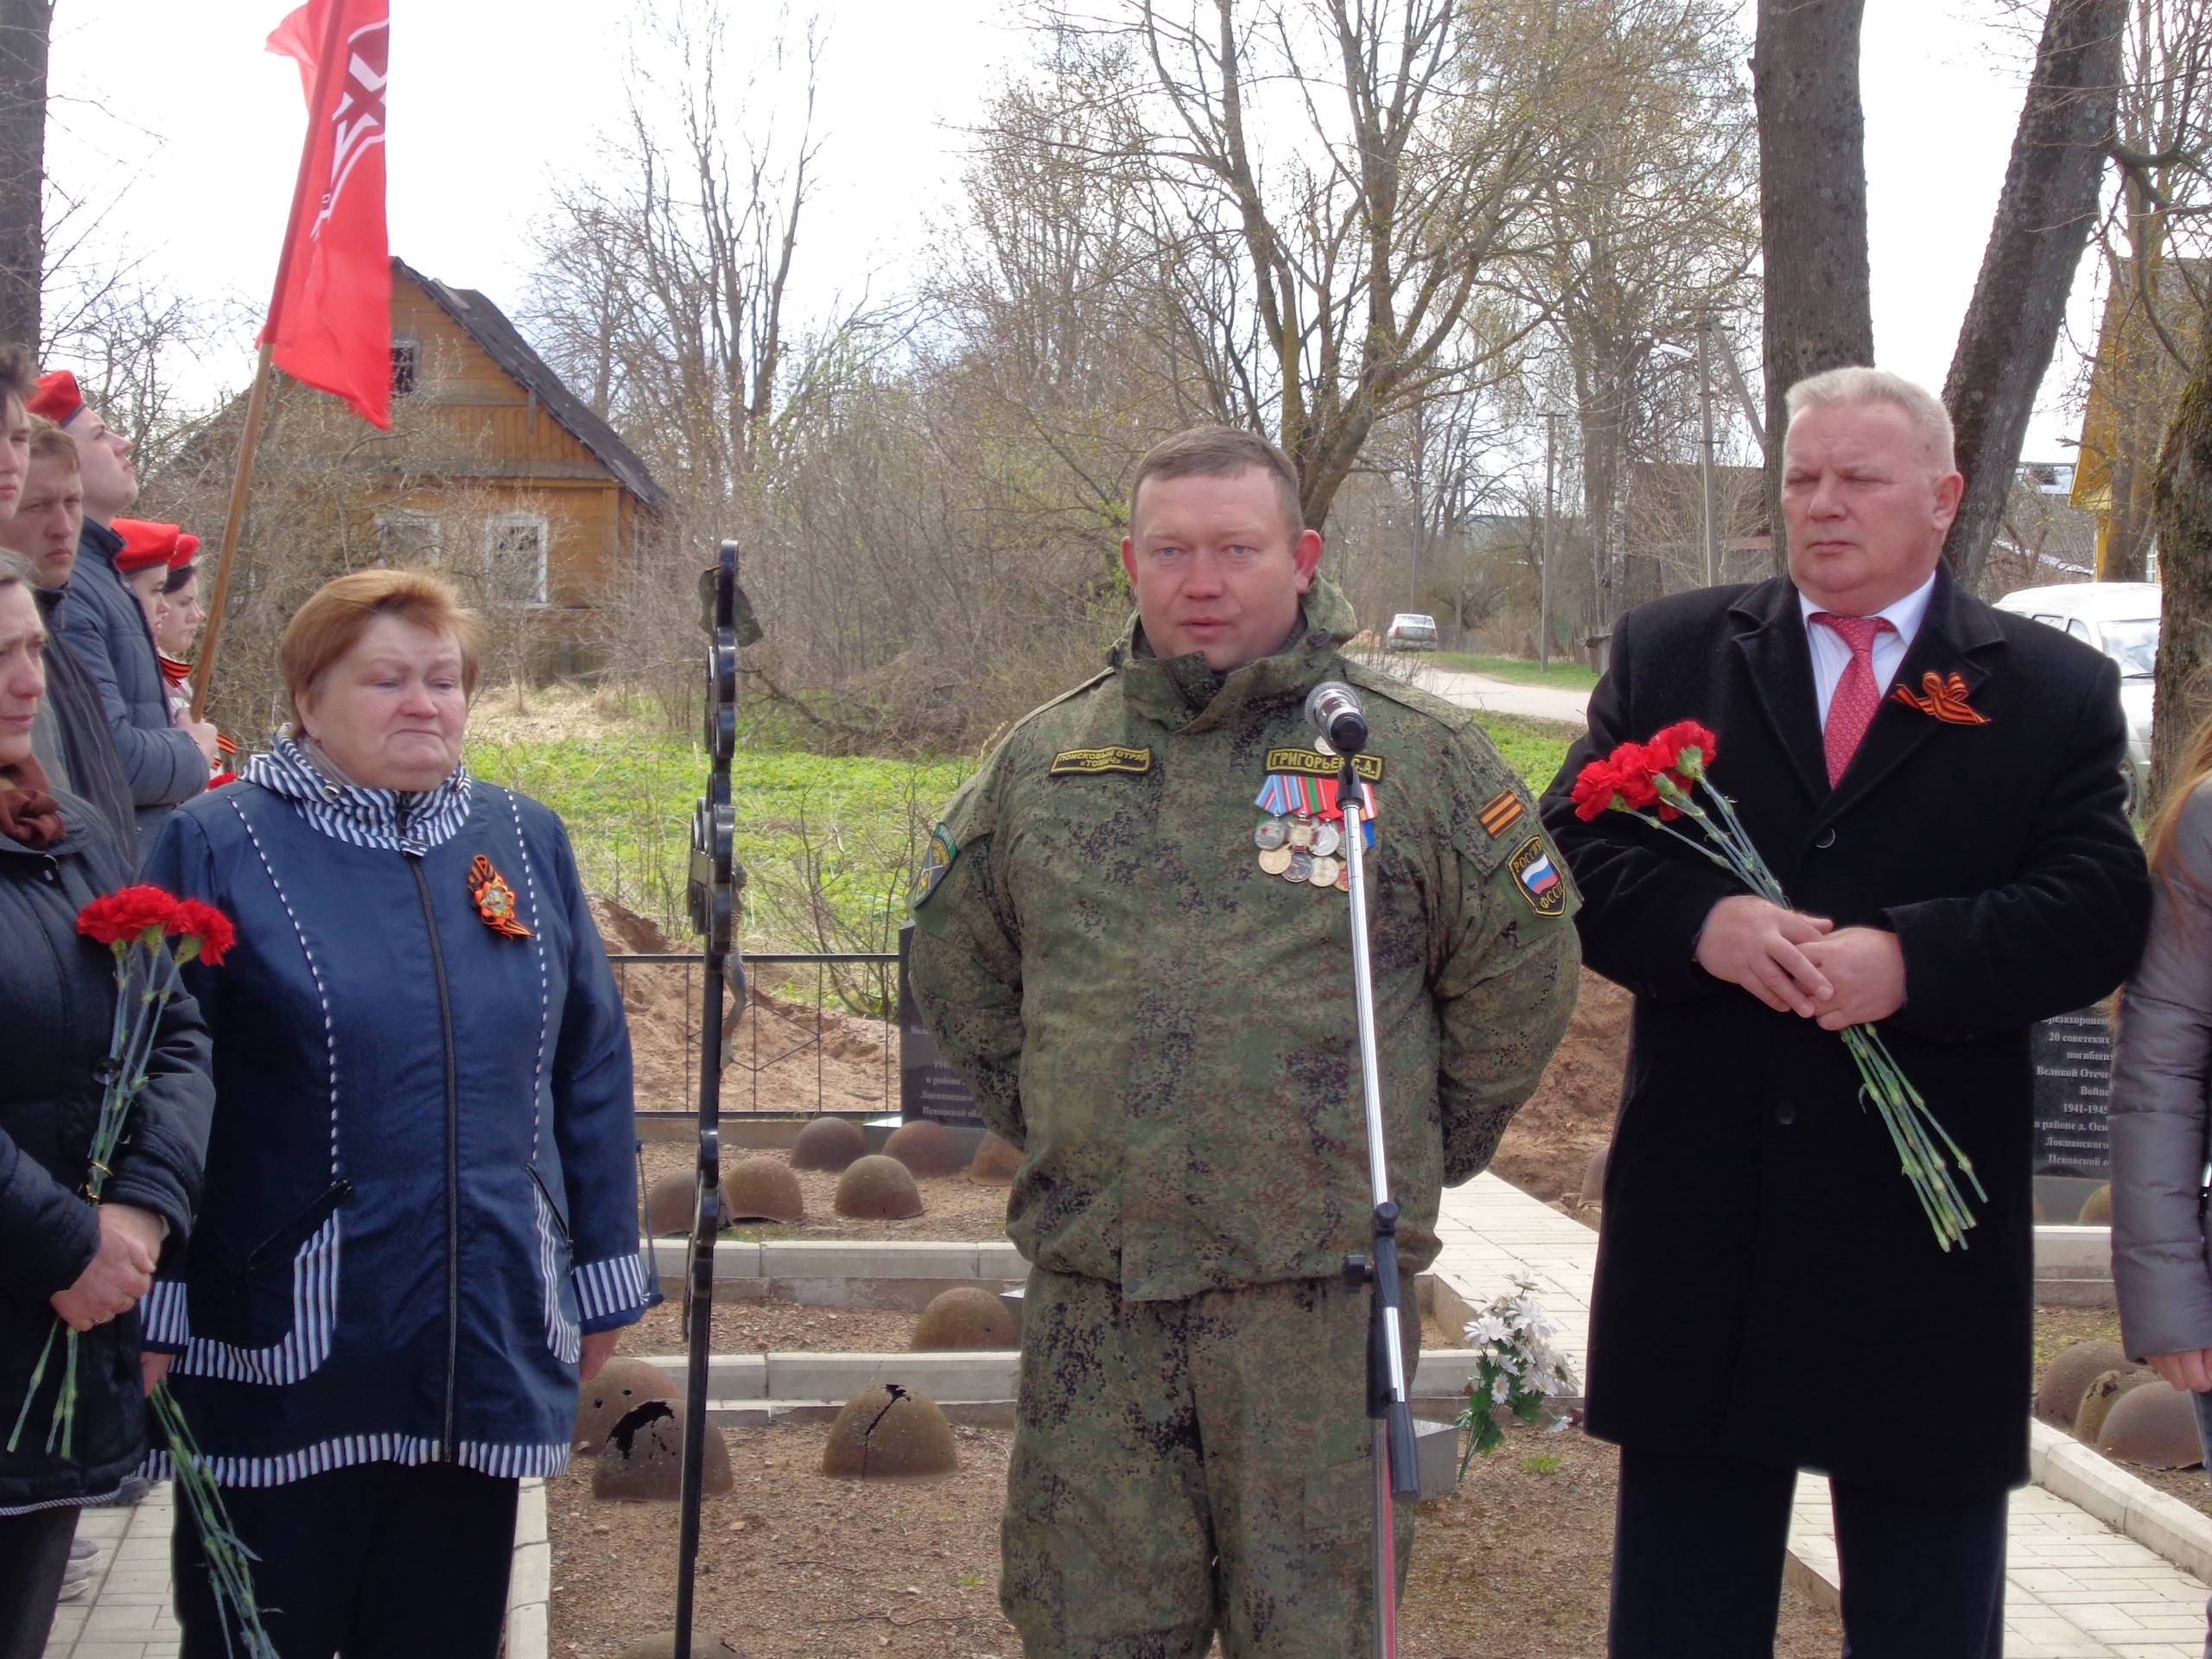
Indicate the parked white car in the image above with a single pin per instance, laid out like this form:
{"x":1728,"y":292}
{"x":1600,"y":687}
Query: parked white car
{"x":1410,"y":631}
{"x":2120,"y":619}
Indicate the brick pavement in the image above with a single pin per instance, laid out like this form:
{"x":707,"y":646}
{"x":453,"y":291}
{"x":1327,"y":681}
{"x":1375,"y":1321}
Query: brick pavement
{"x":126,"y":1614}
{"x":2074,"y":1588}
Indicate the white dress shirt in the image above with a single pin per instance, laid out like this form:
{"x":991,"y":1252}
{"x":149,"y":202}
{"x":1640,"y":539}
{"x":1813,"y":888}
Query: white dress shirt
{"x":1831,"y":656}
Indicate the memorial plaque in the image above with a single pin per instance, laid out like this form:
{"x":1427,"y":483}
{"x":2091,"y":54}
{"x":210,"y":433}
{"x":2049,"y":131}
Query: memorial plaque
{"x":927,"y":1086}
{"x":2073,"y":1071}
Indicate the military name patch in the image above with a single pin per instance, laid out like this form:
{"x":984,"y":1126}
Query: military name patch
{"x":937,"y":863}
{"x":1314,"y":764}
{"x":1082,"y":761}
{"x":1540,"y":880}
{"x":1502,"y":813}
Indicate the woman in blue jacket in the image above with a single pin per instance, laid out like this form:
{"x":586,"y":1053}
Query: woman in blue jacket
{"x":419,"y":1224}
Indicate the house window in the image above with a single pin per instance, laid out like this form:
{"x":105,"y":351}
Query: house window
{"x":406,"y":361}
{"x":412,"y":539}
{"x":514,"y":560}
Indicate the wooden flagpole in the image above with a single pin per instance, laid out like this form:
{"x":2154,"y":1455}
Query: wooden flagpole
{"x":257,"y":402}
{"x":257,"y":409}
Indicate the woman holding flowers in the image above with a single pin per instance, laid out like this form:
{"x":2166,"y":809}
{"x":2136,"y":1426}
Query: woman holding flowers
{"x":420,"y":1223}
{"x":61,"y":1256}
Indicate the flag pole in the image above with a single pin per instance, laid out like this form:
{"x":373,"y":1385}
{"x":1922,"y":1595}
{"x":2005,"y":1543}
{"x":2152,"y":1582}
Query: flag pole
{"x":257,"y":402}
{"x":257,"y":408}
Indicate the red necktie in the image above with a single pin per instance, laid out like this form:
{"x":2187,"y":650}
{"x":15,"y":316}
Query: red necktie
{"x":1851,"y":711}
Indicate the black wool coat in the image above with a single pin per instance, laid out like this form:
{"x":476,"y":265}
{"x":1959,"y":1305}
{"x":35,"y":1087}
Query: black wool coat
{"x":1767,"y":1288}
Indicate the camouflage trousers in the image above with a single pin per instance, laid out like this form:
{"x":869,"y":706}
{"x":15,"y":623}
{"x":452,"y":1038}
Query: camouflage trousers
{"x":1188,"y":1467}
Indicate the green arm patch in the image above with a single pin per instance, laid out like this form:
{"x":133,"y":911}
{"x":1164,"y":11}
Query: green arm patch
{"x":1082,"y":762}
{"x":936,"y":864}
{"x":1538,"y":875}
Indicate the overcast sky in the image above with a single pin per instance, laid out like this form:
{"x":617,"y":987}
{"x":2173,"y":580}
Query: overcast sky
{"x":175,"y":104}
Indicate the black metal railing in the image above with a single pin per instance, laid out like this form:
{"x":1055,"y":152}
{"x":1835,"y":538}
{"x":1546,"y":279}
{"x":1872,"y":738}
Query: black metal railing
{"x":845,"y":1033}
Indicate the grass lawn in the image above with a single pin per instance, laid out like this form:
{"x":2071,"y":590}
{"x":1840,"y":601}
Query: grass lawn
{"x":830,"y":844}
{"x":1577,"y":677}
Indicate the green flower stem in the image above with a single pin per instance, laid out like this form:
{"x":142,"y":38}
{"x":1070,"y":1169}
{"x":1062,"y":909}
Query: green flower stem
{"x":1914,"y":1130}
{"x":30,"y":1390}
{"x":229,"y":1561}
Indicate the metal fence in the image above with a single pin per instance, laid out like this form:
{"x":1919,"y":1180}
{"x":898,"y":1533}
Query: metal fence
{"x":793,"y":1047}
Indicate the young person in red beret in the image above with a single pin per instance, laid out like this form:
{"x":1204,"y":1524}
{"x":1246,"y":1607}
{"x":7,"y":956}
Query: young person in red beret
{"x":164,"y":761}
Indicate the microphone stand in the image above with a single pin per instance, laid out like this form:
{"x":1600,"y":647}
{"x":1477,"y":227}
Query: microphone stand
{"x":1387,"y":1404}
{"x":715,"y":878}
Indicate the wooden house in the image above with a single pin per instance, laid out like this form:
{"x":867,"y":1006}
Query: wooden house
{"x":497,"y":466}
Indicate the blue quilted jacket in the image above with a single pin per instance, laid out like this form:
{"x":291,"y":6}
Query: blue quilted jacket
{"x":421,"y":1182}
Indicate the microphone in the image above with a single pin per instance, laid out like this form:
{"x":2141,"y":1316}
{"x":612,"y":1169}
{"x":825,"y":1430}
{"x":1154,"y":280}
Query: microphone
{"x":1333,"y":710}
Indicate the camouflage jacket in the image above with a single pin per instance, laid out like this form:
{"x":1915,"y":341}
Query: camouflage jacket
{"x":1168,"y":1032}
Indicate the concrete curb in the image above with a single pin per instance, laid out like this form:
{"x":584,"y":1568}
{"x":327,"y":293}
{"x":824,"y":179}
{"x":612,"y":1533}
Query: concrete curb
{"x":530,"y":1583}
{"x":2160,"y":1523}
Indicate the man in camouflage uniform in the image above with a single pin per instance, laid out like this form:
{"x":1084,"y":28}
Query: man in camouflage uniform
{"x":1106,"y":949}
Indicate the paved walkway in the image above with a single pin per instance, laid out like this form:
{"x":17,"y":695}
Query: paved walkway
{"x":2074,"y":1588}
{"x":126,"y":1614}
{"x":1492,"y":696}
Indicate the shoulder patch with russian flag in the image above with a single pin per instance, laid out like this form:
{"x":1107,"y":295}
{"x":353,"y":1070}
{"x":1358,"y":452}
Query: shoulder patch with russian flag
{"x":1538,"y":877}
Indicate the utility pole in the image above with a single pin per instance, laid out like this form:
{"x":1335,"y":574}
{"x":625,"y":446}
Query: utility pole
{"x":1704,"y":415}
{"x":1544,"y":558}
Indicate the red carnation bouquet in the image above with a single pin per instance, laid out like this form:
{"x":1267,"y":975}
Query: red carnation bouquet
{"x":152,"y":934}
{"x":1659,"y":783}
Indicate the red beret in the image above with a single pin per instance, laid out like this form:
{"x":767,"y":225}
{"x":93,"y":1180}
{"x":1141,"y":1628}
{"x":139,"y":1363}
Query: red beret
{"x":187,"y":549}
{"x":57,"y":397}
{"x":145,"y":544}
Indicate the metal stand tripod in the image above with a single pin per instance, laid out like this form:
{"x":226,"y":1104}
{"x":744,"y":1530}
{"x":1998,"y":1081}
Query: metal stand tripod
{"x":1395,"y":1473}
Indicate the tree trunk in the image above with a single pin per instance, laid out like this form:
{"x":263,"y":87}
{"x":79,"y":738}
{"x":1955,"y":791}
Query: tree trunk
{"x":25,"y":28}
{"x":1812,"y":207}
{"x":2184,"y":505}
{"x":2042,"y":223}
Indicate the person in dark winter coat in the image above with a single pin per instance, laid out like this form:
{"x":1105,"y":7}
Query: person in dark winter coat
{"x":1937,"y":787}
{"x":420,"y":1223}
{"x":163,"y":761}
{"x":73,"y":742}
{"x":58,"y":1254}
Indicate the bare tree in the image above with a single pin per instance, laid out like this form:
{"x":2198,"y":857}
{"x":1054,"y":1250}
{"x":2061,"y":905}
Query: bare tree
{"x":1356,"y":173}
{"x":25,"y":27}
{"x":1652,"y":229}
{"x":2044,"y":219}
{"x":1812,"y":205}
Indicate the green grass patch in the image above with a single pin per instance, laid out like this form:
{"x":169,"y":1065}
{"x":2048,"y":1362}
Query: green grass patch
{"x":1542,"y":1463}
{"x":830,"y":844}
{"x":1535,"y":748}
{"x":1570,"y":675}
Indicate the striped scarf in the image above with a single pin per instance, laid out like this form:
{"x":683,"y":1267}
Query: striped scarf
{"x":390,"y":820}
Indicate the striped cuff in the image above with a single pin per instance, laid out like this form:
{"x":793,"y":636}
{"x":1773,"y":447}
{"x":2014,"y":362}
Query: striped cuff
{"x":612,"y":1291}
{"x":162,"y":1323}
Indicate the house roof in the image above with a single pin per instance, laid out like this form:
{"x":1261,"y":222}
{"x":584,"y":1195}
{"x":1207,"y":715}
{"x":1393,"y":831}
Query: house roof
{"x":485,"y":323}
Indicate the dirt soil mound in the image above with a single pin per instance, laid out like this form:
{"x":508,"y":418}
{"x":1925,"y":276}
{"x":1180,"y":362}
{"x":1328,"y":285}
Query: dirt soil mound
{"x":1571,"y":1114}
{"x":785,"y":1055}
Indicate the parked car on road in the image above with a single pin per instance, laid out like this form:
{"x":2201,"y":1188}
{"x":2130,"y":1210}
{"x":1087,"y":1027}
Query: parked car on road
{"x":2120,"y":619}
{"x":1410,"y":631}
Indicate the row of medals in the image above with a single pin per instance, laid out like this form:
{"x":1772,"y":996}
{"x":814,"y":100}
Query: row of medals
{"x":1302,"y":851}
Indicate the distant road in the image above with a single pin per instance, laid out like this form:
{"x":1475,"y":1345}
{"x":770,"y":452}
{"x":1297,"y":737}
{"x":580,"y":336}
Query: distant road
{"x":1491,"y":696}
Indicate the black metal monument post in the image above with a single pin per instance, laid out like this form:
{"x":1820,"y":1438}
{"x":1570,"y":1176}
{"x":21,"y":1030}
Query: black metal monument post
{"x":717,"y":880}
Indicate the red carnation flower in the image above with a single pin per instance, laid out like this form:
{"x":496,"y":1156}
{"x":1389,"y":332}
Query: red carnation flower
{"x":207,"y":924}
{"x":1685,"y":738}
{"x":125,"y":914}
{"x":1596,"y":787}
{"x":1633,"y":767}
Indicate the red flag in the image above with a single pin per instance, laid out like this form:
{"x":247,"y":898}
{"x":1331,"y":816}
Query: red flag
{"x":330,"y":322}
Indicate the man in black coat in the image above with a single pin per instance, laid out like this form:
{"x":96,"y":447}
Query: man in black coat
{"x":1936,"y":786}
